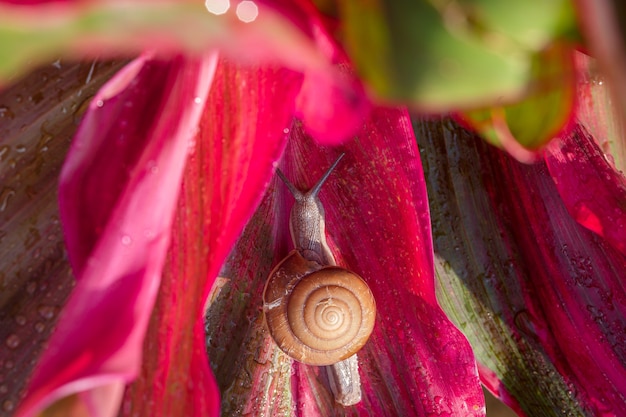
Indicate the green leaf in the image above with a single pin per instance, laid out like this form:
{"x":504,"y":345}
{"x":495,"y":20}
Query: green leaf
{"x":541,"y":114}
{"x":531,"y":23}
{"x":456,"y":54}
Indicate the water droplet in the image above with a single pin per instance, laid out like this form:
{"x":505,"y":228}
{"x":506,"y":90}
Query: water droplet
{"x":8,"y":405}
{"x":197,"y":100}
{"x":191,"y":146}
{"x":152,"y":167}
{"x":99,"y":103}
{"x":47,"y":312}
{"x":126,"y":240}
{"x":5,"y":195}
{"x":90,"y":74}
{"x":12,"y":341}
{"x":286,"y":130}
{"x":4,"y":150}
{"x":36,"y":98}
{"x":39,"y":327}
{"x":42,"y":145}
{"x":21,"y":320}
{"x":32,"y":237}
{"x":31,"y":288}
{"x":57,"y":64}
{"x":524,"y":322}
{"x":5,"y":111}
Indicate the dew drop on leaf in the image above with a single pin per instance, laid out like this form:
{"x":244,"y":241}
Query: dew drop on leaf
{"x":5,"y":195}
{"x":8,"y":405}
{"x":31,"y":288}
{"x":12,"y":341}
{"x":47,"y":312}
{"x":153,"y":167}
{"x":5,"y":111}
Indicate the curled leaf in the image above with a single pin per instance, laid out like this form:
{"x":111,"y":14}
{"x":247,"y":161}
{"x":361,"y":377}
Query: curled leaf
{"x":242,"y":133}
{"x":117,"y":231}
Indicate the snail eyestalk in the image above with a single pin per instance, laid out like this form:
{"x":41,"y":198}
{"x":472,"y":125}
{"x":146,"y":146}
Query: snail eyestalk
{"x":308,"y":299}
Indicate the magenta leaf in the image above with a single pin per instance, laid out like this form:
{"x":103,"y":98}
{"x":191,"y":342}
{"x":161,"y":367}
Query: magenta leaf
{"x":416,"y":363}
{"x":118,"y":191}
{"x":332,"y":103}
{"x":333,"y":107}
{"x":242,"y":134}
{"x":590,"y":186}
{"x":540,"y":297}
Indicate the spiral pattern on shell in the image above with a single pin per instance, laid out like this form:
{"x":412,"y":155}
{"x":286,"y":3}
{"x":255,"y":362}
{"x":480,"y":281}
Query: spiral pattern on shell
{"x":327,"y":316}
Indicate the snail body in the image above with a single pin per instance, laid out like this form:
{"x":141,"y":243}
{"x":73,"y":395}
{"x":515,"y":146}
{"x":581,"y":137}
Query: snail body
{"x":316,"y":312}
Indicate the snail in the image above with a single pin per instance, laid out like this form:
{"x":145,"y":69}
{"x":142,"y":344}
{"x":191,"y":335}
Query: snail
{"x":317,"y":312}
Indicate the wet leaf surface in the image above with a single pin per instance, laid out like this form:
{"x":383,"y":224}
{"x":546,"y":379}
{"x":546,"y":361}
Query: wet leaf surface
{"x":521,"y":278}
{"x":415,"y":362}
{"x":38,"y":116}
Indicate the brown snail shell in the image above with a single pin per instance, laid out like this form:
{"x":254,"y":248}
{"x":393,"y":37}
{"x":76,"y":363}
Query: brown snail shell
{"x":318,"y":315}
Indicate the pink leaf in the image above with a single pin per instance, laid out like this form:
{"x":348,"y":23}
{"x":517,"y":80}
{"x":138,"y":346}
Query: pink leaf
{"x":590,"y":186}
{"x":378,"y":222}
{"x":118,"y":192}
{"x":333,"y":106}
{"x":242,"y":134}
{"x":332,"y":103}
{"x":416,"y":361}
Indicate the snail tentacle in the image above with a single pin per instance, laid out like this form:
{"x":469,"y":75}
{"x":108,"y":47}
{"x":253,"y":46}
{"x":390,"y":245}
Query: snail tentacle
{"x":316,"y":312}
